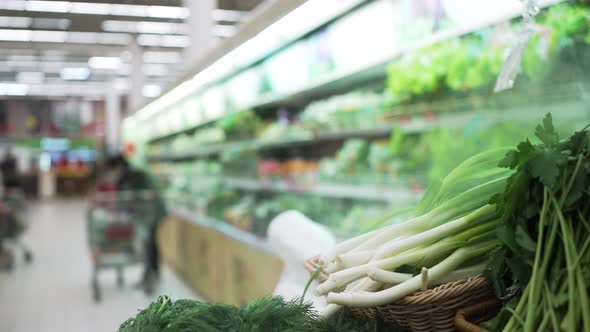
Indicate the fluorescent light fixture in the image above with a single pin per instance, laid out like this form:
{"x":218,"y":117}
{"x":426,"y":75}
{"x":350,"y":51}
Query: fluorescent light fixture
{"x":171,"y":12}
{"x":161,"y":57}
{"x":155,"y":70}
{"x":162,"y":41}
{"x":66,"y":37}
{"x":119,"y":26}
{"x":226,"y":15}
{"x":128,"y":10}
{"x":49,"y":36}
{"x":15,"y":22}
{"x":98,"y":38}
{"x":90,"y":8}
{"x":174,"y":41}
{"x":144,"y":27}
{"x":148,"y":40}
{"x":75,"y":73}
{"x":104,"y":62}
{"x":162,"y":28}
{"x":15,"y":35}
{"x":48,"y":6}
{"x":13,"y":89}
{"x":121,"y":84}
{"x":224,"y":30}
{"x":151,"y":90}
{"x":30,"y":77}
{"x":167,"y":12}
{"x":13,"y":4}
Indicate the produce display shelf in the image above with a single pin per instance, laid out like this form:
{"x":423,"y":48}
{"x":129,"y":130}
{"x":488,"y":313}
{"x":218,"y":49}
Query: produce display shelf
{"x":220,"y":226}
{"x":376,"y":68}
{"x":285,"y":143}
{"x":572,"y":107}
{"x":384,"y":193}
{"x":358,"y":76}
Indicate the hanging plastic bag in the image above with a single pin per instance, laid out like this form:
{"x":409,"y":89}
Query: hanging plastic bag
{"x":511,"y":66}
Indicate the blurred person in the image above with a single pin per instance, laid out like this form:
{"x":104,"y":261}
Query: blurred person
{"x":9,"y":169}
{"x":129,"y":178}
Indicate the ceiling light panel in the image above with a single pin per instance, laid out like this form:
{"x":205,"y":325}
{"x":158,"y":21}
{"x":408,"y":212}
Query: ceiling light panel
{"x":12,"y":5}
{"x":75,"y":73}
{"x":151,"y":90}
{"x":15,"y":22}
{"x":68,"y":37}
{"x":228,"y":15}
{"x":90,"y":8}
{"x":49,"y":36}
{"x":144,"y":27}
{"x":162,"y":28}
{"x":170,"y":12}
{"x":30,"y":77}
{"x":161,"y":57}
{"x":13,"y":89}
{"x":101,"y":62}
{"x":128,"y":10}
{"x":15,"y":35}
{"x":48,"y":6}
{"x":174,"y":41}
{"x":155,"y":70}
{"x":224,"y":30}
{"x":167,"y":12}
{"x":162,"y":40}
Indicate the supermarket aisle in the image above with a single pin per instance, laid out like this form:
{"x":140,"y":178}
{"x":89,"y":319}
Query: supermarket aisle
{"x":53,"y":293}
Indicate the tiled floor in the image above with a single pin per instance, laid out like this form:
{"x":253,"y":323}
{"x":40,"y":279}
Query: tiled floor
{"x":53,"y":293}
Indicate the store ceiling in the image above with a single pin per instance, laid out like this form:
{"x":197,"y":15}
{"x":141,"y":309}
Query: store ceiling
{"x":46,"y":44}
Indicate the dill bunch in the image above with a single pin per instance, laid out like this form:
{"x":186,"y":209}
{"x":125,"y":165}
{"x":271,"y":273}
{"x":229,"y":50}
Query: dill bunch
{"x":268,"y":314}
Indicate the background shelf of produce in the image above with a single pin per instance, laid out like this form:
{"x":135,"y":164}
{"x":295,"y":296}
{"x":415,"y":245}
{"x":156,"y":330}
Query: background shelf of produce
{"x":357,"y":192}
{"x":333,"y":151}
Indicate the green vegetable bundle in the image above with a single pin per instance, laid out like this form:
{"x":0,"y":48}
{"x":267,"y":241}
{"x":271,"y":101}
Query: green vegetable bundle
{"x":269,"y":314}
{"x":545,"y":234}
{"x":450,"y":234}
{"x":240,"y":125}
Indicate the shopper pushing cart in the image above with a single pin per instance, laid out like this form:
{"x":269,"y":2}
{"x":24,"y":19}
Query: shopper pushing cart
{"x":13,"y":223}
{"x":139,"y":206}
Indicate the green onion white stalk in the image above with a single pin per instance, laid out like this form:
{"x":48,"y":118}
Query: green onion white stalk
{"x":448,"y":239}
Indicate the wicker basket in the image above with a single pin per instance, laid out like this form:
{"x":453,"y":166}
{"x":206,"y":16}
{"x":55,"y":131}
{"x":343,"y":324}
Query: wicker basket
{"x":465,"y":319}
{"x":430,"y":310}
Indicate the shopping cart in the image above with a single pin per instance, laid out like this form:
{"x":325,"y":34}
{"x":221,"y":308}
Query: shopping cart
{"x":13,"y":223}
{"x":117,"y":226}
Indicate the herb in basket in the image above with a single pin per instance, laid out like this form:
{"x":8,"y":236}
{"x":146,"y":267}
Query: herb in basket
{"x":269,"y":314}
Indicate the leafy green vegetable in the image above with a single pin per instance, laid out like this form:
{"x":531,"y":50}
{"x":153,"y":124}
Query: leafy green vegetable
{"x":544,"y":233}
{"x":269,"y":314}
